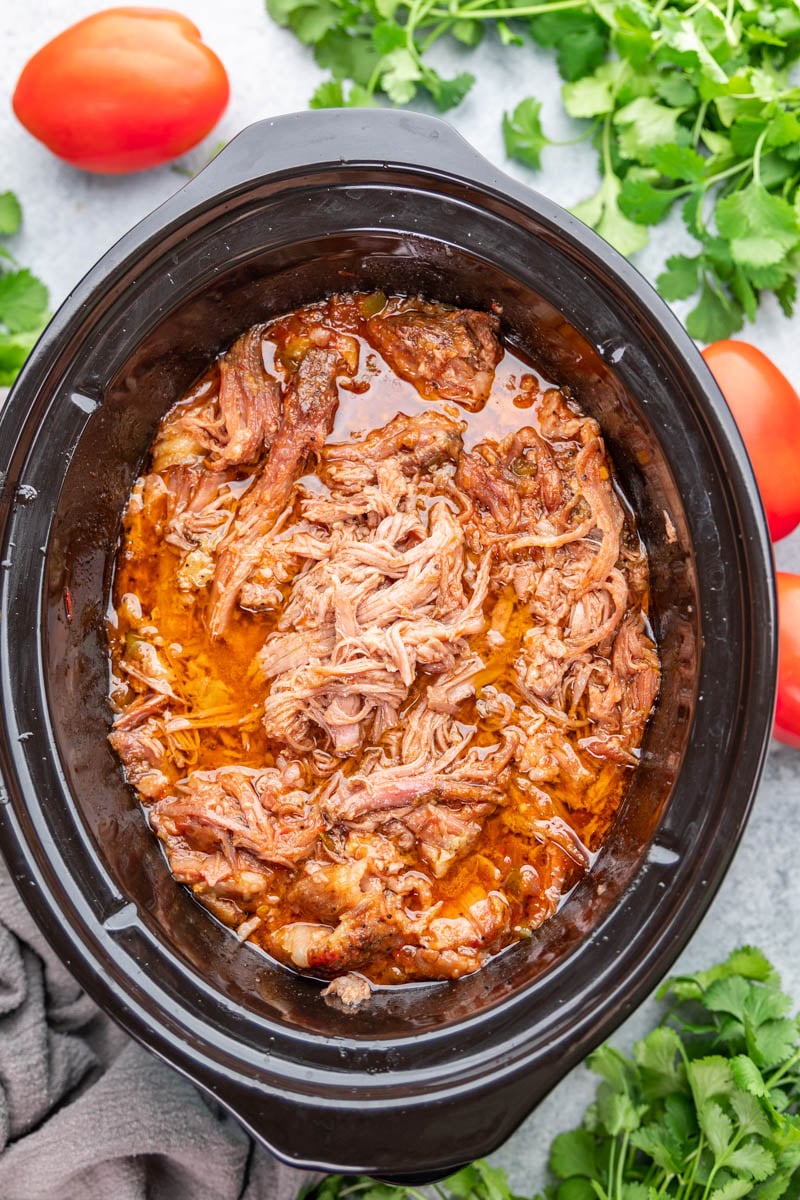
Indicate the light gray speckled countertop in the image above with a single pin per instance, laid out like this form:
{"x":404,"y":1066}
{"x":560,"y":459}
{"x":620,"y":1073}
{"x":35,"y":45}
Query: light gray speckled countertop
{"x":70,"y":219}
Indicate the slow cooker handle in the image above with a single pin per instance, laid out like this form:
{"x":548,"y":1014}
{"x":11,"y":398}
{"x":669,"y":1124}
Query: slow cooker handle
{"x":283,"y":145}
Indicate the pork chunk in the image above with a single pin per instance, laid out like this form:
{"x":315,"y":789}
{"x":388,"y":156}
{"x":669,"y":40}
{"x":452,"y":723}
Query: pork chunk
{"x":448,"y":354}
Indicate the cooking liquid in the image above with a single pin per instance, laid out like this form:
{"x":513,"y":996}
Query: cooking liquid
{"x":221,"y":722}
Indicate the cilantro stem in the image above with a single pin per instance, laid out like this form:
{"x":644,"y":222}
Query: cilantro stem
{"x":493,"y":14}
{"x":375,"y":77}
{"x":437,"y":32}
{"x":699,"y":123}
{"x":463,"y":13}
{"x":685,"y":188}
{"x":735,"y":170}
{"x":757,"y":155}
{"x":719,"y":1163}
{"x":587,"y":133}
{"x":608,"y":166}
{"x":416,"y":14}
{"x":775,"y":1079}
{"x":622,"y":1161}
{"x":694,"y":1159}
{"x":612,"y":1172}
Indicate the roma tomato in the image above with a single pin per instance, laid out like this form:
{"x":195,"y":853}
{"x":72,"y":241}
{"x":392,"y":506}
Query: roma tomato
{"x":787,"y":715}
{"x":767,"y":410}
{"x":125,"y":89}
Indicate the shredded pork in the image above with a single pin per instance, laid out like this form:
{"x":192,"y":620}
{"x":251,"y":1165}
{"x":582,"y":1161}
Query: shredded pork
{"x":383,"y":694}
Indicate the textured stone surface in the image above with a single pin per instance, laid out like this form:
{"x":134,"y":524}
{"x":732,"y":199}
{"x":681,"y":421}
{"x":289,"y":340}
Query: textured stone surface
{"x":70,"y":219}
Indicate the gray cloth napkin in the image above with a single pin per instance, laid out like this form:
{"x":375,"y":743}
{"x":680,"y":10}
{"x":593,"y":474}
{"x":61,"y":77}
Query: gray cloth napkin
{"x":87,"y":1114}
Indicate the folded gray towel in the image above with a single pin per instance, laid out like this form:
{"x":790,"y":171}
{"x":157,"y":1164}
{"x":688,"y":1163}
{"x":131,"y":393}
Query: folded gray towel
{"x":87,"y":1114}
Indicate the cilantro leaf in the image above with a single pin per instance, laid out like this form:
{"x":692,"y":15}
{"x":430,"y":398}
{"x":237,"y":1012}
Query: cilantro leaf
{"x":387,"y":36}
{"x":747,"y":961}
{"x":23,"y":301}
{"x":644,"y":203}
{"x":676,"y":90}
{"x":593,"y":95}
{"x":10,"y":214}
{"x":659,"y":1062}
{"x":447,"y":93}
{"x":479,"y":1181}
{"x":715,"y":316}
{"x":580,"y":40}
{"x":656,"y":1141}
{"x":771,"y":1043}
{"x":682,"y":45}
{"x":765,"y":1004}
{"x":603,"y":213}
{"x":717,"y":1127}
{"x":573,"y":1154}
{"x":744,"y":134}
{"x":347,"y":56}
{"x":751,"y":962}
{"x":727,"y":995}
{"x":522,"y":133}
{"x":718,"y":143}
{"x":750,"y":1114}
{"x":784,"y":129}
{"x":400,"y":75}
{"x":645,"y":125}
{"x":309,"y":21}
{"x":281,"y":11}
{"x":680,"y":280}
{"x":752,"y":1160}
{"x":616,"y":1111}
{"x":468,"y":32}
{"x":634,"y":25}
{"x":331,"y":94}
{"x":576,"y":1188}
{"x":734,"y":1189}
{"x":678,"y":162}
{"x":761,"y":228}
{"x":747,"y":1077}
{"x":14,"y":349}
{"x":787,"y":295}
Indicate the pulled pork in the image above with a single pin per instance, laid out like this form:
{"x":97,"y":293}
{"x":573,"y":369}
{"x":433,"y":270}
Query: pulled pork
{"x":381,"y":694}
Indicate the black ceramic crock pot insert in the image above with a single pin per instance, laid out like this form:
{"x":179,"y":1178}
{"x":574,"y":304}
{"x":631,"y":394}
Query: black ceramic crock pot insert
{"x":429,"y":1075}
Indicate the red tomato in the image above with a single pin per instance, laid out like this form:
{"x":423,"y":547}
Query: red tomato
{"x":787,"y":715}
{"x":125,"y":89}
{"x":767,"y":410}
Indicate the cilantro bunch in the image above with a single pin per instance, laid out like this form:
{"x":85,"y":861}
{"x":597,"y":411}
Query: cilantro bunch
{"x":706,"y":1108}
{"x":23,"y":299}
{"x":691,"y":103}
